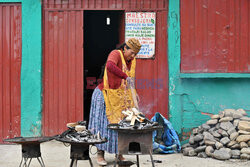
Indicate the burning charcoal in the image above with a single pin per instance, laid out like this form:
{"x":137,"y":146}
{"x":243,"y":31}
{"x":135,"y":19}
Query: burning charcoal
{"x":147,"y":126}
{"x":83,"y":134}
{"x":122,"y":121}
{"x":155,"y":124}
{"x":136,"y":126}
{"x":71,"y":137}
{"x":65,"y":133}
{"x":85,"y":139}
{"x":141,"y":115}
{"x":78,"y":137}
{"x":77,"y":132}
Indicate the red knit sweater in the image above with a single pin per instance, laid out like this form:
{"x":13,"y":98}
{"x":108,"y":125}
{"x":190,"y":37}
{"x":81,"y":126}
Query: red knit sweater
{"x":114,"y":70}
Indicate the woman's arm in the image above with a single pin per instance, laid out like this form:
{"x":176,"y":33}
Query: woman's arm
{"x":111,"y":67}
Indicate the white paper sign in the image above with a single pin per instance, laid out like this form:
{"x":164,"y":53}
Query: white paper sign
{"x":141,"y":25}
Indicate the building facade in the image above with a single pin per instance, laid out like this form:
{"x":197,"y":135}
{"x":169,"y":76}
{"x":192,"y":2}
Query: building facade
{"x":200,"y":66}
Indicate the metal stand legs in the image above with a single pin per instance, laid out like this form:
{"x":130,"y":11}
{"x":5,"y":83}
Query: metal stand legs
{"x":30,"y":151}
{"x":151,"y":157}
{"x":79,"y":152}
{"x":137,"y":160}
{"x":25,"y":162}
{"x":74,"y":162}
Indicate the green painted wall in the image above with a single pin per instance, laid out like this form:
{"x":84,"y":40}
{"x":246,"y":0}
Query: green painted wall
{"x":175,"y":113}
{"x":192,"y":97}
{"x":31,"y":80}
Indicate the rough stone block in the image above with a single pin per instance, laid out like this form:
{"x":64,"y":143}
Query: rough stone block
{"x":244,"y":132}
{"x":209,"y":150}
{"x":225,"y":140}
{"x":244,"y":138}
{"x":226,"y":125}
{"x":198,"y":137}
{"x":202,"y":155}
{"x":236,"y":146}
{"x":234,"y":135}
{"x":218,"y":145}
{"x":243,"y":145}
{"x":244,"y":125}
{"x":226,"y":119}
{"x":200,"y":149}
{"x":212,"y":121}
{"x":231,"y":143}
{"x":221,"y":154}
{"x":245,"y":150}
{"x":230,"y":131}
{"x":244,"y":156}
{"x":235,"y":154}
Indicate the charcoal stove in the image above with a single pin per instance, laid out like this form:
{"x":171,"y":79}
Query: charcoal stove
{"x":134,"y":141}
{"x":79,"y":150}
{"x":30,"y":149}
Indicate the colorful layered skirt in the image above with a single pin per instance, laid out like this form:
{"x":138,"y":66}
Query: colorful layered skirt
{"x":98,"y":122}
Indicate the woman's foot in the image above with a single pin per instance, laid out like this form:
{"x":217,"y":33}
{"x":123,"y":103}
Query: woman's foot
{"x":100,"y":158}
{"x":121,"y":158}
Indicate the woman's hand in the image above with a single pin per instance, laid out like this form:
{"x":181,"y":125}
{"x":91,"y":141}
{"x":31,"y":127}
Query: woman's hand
{"x":130,"y":82}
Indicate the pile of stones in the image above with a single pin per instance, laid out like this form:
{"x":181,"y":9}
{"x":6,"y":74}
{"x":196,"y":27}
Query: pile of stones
{"x":226,"y":135}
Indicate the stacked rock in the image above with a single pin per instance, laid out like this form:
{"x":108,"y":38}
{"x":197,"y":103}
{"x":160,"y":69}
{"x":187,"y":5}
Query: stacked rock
{"x":224,"y":136}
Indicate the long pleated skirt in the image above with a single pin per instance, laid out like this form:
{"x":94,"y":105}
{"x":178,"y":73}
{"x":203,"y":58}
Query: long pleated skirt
{"x":98,"y":123}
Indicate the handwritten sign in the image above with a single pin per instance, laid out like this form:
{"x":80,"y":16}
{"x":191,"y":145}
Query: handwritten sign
{"x":141,"y":25}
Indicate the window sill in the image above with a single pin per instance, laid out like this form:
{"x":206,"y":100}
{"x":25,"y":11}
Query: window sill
{"x":215,"y":75}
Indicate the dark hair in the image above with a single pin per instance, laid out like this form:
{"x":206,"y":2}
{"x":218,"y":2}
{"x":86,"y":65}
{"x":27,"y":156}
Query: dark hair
{"x":122,"y":46}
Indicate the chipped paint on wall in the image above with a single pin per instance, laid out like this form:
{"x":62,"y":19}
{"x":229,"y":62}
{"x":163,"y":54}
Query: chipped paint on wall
{"x":35,"y":129}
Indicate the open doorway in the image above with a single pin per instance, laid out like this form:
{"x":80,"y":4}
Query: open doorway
{"x":102,"y":33}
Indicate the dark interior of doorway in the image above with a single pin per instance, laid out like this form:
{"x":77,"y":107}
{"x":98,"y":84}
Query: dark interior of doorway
{"x":99,"y":39}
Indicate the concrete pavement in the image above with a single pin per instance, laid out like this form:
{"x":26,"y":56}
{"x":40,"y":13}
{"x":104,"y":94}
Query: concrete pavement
{"x":56,"y":154}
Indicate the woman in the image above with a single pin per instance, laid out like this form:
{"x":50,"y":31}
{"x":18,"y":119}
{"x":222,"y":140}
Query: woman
{"x":112,"y":96}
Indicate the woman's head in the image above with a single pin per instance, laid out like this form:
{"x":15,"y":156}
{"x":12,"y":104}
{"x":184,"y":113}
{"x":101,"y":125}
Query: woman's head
{"x":130,"y":48}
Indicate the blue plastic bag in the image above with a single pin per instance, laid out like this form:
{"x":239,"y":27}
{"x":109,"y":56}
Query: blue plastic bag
{"x":165,"y":140}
